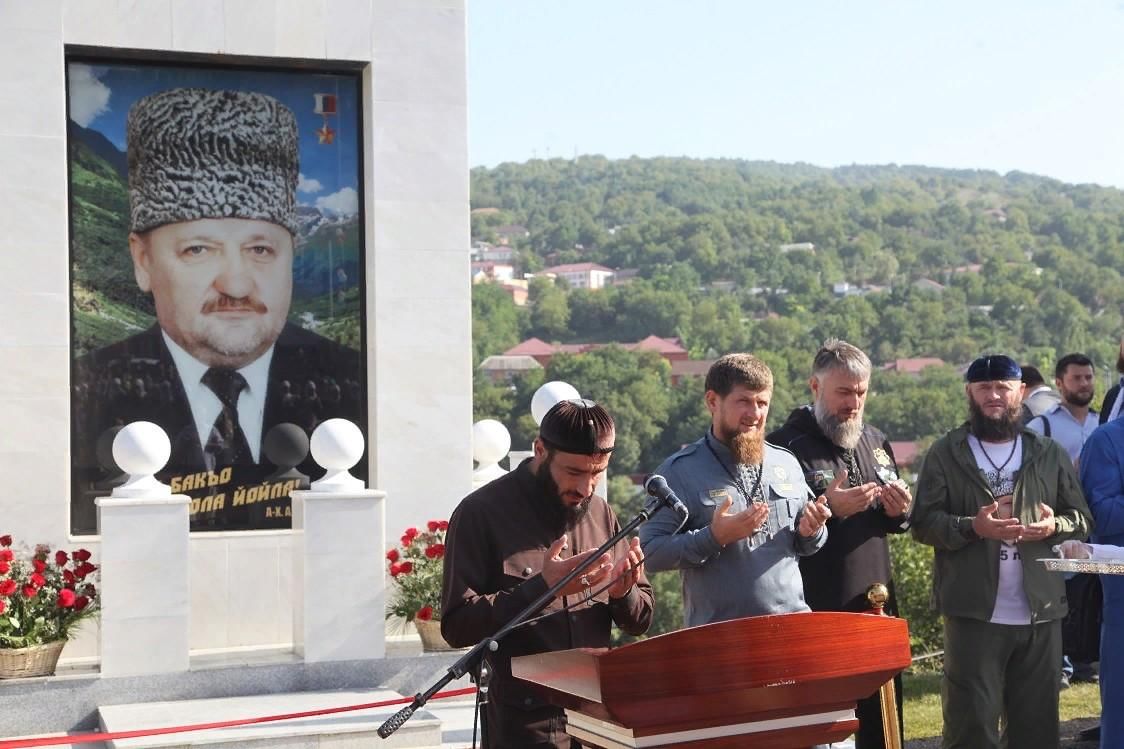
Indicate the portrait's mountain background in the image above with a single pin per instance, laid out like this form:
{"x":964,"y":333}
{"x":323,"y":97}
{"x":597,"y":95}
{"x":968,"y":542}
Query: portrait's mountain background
{"x":108,"y":305}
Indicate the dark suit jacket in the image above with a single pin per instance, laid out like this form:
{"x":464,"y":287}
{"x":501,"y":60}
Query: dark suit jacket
{"x":311,"y":379}
{"x":856,"y":554}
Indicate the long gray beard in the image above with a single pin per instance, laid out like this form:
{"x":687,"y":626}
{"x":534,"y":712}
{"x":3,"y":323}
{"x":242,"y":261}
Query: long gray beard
{"x":845,"y":434}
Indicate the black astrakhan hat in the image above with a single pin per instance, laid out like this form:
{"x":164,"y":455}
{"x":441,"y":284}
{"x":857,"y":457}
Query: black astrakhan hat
{"x":578,"y":426}
{"x":993,"y":367}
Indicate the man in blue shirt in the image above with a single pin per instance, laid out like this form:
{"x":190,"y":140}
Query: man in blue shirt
{"x":1102,"y":476}
{"x":751,"y":514}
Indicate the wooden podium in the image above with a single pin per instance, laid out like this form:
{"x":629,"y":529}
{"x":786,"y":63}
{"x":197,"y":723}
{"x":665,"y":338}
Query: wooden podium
{"x":767,"y":682}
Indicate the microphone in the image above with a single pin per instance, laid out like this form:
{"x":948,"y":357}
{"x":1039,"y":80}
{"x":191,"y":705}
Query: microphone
{"x":656,"y":486}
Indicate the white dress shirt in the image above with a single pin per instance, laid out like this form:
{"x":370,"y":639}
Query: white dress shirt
{"x":1065,"y":429}
{"x":206,"y":406}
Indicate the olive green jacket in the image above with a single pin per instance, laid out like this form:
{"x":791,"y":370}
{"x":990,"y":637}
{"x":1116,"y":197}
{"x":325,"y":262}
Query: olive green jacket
{"x":951,"y":490}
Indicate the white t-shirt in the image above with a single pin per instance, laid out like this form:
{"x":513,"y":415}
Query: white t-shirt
{"x":999,"y":462}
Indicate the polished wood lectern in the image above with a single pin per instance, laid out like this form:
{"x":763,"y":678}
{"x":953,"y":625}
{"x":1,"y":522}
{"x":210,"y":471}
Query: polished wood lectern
{"x":767,"y":682}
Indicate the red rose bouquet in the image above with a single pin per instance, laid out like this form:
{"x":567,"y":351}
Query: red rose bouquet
{"x":43,"y":594}
{"x":415,"y":568}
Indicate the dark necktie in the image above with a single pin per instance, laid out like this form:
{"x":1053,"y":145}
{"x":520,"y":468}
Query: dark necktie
{"x":227,"y":443}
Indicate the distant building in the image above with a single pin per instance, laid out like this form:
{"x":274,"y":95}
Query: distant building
{"x":488,"y":270}
{"x":846,"y":288}
{"x":913,"y":366}
{"x":511,"y":232}
{"x":517,"y":289}
{"x":798,"y":247}
{"x":580,"y":275}
{"x":685,"y":369}
{"x":505,"y":368}
{"x":670,"y":349}
{"x":496,"y":254}
{"x":905,"y":453}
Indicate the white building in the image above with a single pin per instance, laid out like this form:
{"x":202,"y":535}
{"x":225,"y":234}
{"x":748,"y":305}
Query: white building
{"x":581,"y":275}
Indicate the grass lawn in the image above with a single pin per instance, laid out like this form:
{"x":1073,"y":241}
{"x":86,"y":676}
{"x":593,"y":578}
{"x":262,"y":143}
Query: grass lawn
{"x":923,"y":703}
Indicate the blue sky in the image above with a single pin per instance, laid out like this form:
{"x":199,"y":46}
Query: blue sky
{"x":101,"y":95}
{"x":1029,"y":85}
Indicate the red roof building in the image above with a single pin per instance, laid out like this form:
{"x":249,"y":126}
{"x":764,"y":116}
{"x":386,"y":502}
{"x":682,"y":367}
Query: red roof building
{"x":682,"y":369}
{"x":542,"y":352}
{"x":905,"y":453}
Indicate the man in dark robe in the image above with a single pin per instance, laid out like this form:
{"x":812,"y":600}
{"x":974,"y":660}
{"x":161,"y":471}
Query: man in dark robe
{"x":513,"y":538}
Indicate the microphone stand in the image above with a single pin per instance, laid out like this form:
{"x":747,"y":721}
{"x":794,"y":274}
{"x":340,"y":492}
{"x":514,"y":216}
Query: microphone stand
{"x":467,"y":661}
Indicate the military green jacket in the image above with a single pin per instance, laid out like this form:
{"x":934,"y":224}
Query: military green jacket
{"x":951,"y":490}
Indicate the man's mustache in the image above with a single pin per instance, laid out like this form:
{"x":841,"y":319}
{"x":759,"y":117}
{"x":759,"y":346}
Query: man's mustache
{"x":227,"y":303}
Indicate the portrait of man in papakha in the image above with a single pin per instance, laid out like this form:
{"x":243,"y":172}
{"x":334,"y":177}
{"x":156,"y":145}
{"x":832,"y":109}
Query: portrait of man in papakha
{"x":217,"y":278}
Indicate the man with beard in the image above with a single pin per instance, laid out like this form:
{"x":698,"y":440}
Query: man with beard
{"x":830,"y":440}
{"x":1071,"y":421}
{"x":213,"y":237}
{"x":992,"y":499}
{"x":512,"y":539}
{"x":750,"y":517}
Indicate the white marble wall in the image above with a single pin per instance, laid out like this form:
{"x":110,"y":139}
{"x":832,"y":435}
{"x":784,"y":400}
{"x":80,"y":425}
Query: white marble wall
{"x":144,"y":593}
{"x":418,"y":327}
{"x":337,"y":575}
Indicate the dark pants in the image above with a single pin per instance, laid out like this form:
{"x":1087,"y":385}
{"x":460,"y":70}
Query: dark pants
{"x":994,"y":671}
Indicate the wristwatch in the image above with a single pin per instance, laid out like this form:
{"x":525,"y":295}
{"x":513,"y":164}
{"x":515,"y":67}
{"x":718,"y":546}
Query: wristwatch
{"x":964,"y":525}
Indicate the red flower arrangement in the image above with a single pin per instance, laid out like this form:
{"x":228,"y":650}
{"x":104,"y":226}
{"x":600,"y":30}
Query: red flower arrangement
{"x":415,"y":567}
{"x":43,"y":596}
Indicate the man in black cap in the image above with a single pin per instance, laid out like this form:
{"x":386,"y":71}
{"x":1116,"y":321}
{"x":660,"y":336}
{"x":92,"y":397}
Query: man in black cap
{"x":993,"y":498}
{"x":212,"y":233}
{"x":513,"y":538}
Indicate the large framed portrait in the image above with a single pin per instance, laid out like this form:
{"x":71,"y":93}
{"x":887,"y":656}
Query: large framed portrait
{"x":217,"y":287}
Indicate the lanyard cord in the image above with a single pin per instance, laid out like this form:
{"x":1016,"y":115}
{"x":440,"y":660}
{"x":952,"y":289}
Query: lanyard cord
{"x":749,"y":496}
{"x":999,"y":468}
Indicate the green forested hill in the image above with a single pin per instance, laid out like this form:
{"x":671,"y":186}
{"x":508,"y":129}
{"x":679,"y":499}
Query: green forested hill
{"x":1029,"y":266}
{"x":1022,"y":264}
{"x":1050,"y":254}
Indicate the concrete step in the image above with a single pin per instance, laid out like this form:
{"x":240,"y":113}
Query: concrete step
{"x":349,"y":730}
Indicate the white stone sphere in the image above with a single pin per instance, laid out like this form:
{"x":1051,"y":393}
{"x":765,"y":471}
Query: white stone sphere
{"x":337,"y":444}
{"x":490,"y":441}
{"x":549,"y":394}
{"x":141,"y":448}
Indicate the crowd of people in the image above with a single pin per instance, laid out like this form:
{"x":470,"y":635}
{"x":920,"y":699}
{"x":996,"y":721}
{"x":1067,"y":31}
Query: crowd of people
{"x":797,"y":520}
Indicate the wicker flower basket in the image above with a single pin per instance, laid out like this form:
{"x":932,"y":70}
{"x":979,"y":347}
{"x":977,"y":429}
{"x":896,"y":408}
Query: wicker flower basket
{"x":430,"y":633}
{"x":37,"y":660}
